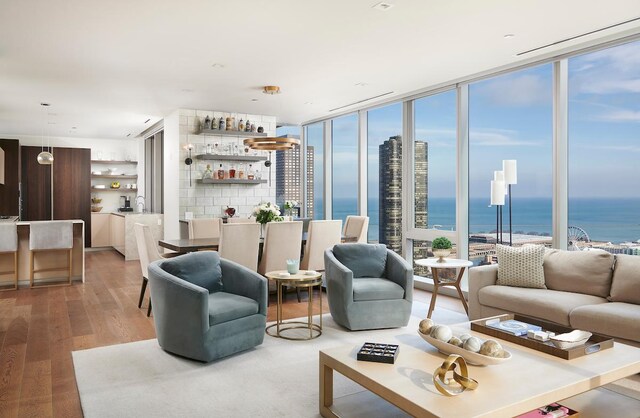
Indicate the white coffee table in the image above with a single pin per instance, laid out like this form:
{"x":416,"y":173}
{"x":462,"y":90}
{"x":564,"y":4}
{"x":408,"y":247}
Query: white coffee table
{"x":529,"y":380}
{"x":448,"y":263}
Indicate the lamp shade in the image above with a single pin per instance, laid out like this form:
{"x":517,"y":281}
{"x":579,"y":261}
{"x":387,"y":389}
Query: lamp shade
{"x":498,"y":175}
{"x":510,"y":169}
{"x":497,"y":192}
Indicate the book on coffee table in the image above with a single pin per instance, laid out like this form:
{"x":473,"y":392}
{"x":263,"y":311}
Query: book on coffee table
{"x":513,"y":327}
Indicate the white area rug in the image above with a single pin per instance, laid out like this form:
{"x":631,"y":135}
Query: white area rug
{"x":276,"y":379}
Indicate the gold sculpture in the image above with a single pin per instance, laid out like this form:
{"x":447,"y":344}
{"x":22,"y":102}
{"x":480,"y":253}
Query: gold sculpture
{"x":462,"y":379}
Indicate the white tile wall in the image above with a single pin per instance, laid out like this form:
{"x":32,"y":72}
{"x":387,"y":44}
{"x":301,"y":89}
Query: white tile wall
{"x":209,"y":200}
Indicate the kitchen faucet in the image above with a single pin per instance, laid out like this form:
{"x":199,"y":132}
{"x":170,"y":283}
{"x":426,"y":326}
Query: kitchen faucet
{"x":141,"y":203}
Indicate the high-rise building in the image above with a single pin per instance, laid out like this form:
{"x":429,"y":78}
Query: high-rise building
{"x":288,"y":179}
{"x":390,"y":163}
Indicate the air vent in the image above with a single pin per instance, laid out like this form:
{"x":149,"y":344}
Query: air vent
{"x":382,"y":6}
{"x":577,"y":36}
{"x":361,"y":101}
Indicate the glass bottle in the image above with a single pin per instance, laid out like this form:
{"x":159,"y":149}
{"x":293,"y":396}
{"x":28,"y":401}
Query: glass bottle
{"x":229,"y":123}
{"x":208,"y":174}
{"x":251,"y":174}
{"x":220,"y":173}
{"x":207,"y":122}
{"x":241,"y":125}
{"x":214,"y":124}
{"x":241,"y":171}
{"x":216,"y":148}
{"x":258,"y":175}
{"x":209,"y":149}
{"x":232,"y":171}
{"x":222,"y":125}
{"x":247,"y":126}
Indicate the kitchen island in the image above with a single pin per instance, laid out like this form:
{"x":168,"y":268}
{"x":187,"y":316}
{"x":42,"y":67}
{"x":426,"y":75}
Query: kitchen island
{"x":115,"y":229}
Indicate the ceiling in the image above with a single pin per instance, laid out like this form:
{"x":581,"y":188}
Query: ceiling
{"x":107,"y":67}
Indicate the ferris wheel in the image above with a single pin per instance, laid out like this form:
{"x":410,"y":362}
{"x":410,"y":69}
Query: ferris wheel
{"x":575,"y":235}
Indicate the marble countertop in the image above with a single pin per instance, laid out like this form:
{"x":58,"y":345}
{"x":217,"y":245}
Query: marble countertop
{"x":10,"y":219}
{"x":75,"y":221}
{"x":134,"y":213}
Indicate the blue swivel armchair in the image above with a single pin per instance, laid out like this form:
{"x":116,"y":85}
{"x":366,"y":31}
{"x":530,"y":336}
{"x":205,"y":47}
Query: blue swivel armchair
{"x":206,"y":307}
{"x":368,"y":286}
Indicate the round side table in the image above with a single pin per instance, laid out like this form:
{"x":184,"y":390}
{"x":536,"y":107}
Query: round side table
{"x":448,"y":263}
{"x":302,"y":279}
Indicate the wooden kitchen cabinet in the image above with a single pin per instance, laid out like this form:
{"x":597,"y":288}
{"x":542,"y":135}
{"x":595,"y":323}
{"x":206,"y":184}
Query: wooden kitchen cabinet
{"x":100,"y":230}
{"x":117,"y":232}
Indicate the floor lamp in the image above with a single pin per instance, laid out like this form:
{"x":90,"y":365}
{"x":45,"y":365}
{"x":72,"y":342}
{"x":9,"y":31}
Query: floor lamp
{"x":497,"y":200}
{"x":510,"y":171}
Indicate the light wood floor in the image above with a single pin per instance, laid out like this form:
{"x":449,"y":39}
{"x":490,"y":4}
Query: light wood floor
{"x":40,"y":327}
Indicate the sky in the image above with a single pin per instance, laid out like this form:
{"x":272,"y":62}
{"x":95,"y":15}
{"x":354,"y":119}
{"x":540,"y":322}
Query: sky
{"x":510,"y":117}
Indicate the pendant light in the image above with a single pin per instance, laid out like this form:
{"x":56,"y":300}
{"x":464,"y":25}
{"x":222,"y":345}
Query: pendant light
{"x":45,"y":157}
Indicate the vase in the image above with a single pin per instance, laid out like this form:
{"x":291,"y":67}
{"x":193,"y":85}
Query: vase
{"x":441,"y":254}
{"x":262,"y":228}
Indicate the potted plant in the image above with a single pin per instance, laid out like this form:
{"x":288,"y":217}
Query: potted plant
{"x":441,"y":248}
{"x":266,"y":212}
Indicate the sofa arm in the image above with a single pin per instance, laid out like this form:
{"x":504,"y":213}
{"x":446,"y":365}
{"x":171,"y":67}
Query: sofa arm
{"x":241,"y":281}
{"x":339,"y":279}
{"x":400,"y":272}
{"x":479,"y":277}
{"x":178,"y":305}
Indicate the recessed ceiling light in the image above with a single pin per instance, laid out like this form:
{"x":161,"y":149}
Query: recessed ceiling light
{"x":217,"y":65}
{"x":52,"y":114}
{"x":361,"y":84}
{"x":73,"y":127}
{"x":187,"y":90}
{"x":147,"y":121}
{"x":308,"y":103}
{"x":382,"y":6}
{"x":45,"y":104}
{"x":509,"y":35}
{"x":129,"y":134}
{"x":254,"y":100}
{"x":52,"y":123}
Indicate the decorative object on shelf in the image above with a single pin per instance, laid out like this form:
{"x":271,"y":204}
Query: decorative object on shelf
{"x":271,"y":90}
{"x":207,"y":122}
{"x":208,"y":173}
{"x":247,"y":126}
{"x":510,"y":170}
{"x":188,"y":161}
{"x":230,"y":212}
{"x":96,"y":200}
{"x":220,"y":173}
{"x":96,"y":208}
{"x":260,"y":129}
{"x":228,"y":123}
{"x":241,"y":125}
{"x":115,"y":184}
{"x":222,"y":124}
{"x":253,"y":127}
{"x":45,"y":157}
{"x":464,"y":382}
{"x":441,"y":248}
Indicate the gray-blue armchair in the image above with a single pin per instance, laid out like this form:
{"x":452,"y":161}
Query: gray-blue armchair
{"x":368,"y":286}
{"x":205,"y":307}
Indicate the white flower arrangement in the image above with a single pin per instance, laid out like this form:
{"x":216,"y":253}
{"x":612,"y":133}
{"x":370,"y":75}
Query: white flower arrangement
{"x":267,"y":212}
{"x":290,"y":204}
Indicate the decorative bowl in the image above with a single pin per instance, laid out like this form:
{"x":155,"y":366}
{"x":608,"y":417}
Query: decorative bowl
{"x":95,"y":208}
{"x":571,"y":339}
{"x":441,"y":254}
{"x":471,"y":357}
{"x":96,"y":200}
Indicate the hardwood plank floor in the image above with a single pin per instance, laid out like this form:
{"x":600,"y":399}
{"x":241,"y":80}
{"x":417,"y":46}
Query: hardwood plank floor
{"x":39,"y":328}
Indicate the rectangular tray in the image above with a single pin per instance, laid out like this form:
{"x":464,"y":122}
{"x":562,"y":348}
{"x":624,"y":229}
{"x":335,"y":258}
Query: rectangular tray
{"x":378,"y":353}
{"x":595,"y":344}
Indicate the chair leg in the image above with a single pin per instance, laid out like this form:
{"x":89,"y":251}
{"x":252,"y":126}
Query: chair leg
{"x":142,"y":290}
{"x":149,"y":308}
{"x":70,"y":266}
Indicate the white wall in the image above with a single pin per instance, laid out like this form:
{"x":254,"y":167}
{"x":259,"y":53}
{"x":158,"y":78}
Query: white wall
{"x":171,"y":167}
{"x":210,"y":200}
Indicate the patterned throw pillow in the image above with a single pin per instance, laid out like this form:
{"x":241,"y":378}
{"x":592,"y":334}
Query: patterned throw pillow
{"x":521,"y":266}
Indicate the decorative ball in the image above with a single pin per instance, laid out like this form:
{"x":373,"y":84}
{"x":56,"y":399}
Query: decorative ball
{"x":472,"y":344}
{"x":455,"y":341}
{"x":441,"y":332}
{"x":491,"y":348}
{"x":464,"y":337}
{"x":426,"y":325}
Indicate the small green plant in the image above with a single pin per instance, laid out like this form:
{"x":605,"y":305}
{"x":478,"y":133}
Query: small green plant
{"x":441,"y":243}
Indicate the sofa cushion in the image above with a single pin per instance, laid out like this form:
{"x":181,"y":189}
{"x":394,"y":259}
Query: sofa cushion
{"x":200,"y":268}
{"x":587,"y":272}
{"x":615,"y":319}
{"x":625,"y":285}
{"x":550,"y":305}
{"x":521,"y":266}
{"x":364,"y":260}
{"x":370,"y":288}
{"x":225,"y":307}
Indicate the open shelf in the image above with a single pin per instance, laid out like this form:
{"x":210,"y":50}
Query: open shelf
{"x":231,"y":133}
{"x":113,"y":162}
{"x":219,"y":157}
{"x":230,"y":181}
{"x":121,"y":190}
{"x":114,"y":176}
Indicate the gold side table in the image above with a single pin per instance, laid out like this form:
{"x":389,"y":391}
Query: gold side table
{"x":302,"y":279}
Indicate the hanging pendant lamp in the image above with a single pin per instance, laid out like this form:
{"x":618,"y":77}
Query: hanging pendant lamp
{"x":45,"y":157}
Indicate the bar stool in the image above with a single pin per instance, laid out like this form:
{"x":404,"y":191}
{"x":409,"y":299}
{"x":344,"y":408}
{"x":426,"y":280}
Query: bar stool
{"x":9,"y":245}
{"x":50,"y":236}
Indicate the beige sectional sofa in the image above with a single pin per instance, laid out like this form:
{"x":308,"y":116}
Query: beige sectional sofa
{"x":589,"y":290}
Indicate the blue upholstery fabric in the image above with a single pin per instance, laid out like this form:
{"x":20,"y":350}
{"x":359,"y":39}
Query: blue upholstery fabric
{"x":201,"y":268}
{"x":195,"y":323}
{"x":225,"y":307}
{"x":364,"y":260}
{"x":346,"y":293}
{"x":370,"y":288}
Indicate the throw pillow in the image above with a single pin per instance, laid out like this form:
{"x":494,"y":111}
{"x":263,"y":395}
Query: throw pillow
{"x":364,"y":260}
{"x":199,"y":268}
{"x":626,"y":279}
{"x":521,"y":267}
{"x":586,"y":272}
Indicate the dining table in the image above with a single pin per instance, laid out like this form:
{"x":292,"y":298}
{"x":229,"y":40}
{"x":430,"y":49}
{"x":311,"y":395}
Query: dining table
{"x":186,"y":245}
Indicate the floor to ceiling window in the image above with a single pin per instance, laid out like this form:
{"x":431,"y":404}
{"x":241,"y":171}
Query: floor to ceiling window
{"x":604,"y":150}
{"x":434,"y":170}
{"x":287,"y":168}
{"x":344,"y":175}
{"x":384,"y":175}
{"x":511,"y":118}
{"x":314,"y":138}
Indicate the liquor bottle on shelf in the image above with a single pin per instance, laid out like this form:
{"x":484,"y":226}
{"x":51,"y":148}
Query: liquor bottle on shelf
{"x":216,"y":148}
{"x":209,"y":149}
{"x":251,"y":174}
{"x":232,"y":171}
{"x":247,"y":126}
{"x":220,"y":173}
{"x":214,"y":124}
{"x":258,"y":175}
{"x":253,"y":127}
{"x":241,"y":125}
{"x":207,"y":122}
{"x":222,"y":125}
{"x":241,"y":171}
{"x":229,"y":123}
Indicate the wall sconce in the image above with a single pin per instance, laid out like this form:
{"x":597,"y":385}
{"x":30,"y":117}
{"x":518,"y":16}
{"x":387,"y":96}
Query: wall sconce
{"x":188,"y":161}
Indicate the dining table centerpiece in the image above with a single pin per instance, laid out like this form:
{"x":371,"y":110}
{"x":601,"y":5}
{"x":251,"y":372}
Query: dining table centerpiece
{"x":266,"y":212}
{"x":289,"y":206}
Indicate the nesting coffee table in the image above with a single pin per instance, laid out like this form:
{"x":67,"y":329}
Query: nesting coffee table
{"x":529,"y":380}
{"x":302,"y":279}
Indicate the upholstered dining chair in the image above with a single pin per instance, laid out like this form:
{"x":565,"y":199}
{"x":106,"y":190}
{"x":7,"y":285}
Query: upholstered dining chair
{"x":368,"y":286}
{"x":356,"y":226}
{"x":9,"y":246}
{"x":240,"y":242}
{"x":206,"y":307}
{"x":241,"y":221}
{"x":50,"y":236}
{"x":204,"y":228}
{"x":282,"y":241}
{"x":321,"y":235}
{"x":147,"y":253}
